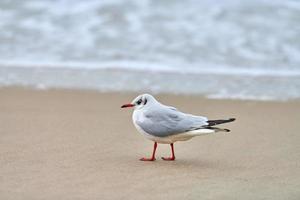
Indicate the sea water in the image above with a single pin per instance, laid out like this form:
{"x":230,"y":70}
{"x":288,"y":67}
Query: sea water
{"x":244,"y":49}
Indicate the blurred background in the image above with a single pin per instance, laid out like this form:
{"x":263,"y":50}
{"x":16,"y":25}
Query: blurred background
{"x":240,"y":49}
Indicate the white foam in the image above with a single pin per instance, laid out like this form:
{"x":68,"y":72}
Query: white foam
{"x":247,"y":97}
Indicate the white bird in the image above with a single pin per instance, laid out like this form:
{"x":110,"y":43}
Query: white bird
{"x":167,"y":125}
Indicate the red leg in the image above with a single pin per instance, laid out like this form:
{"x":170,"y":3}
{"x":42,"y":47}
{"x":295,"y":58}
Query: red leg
{"x":173,"y":154}
{"x":153,"y":154}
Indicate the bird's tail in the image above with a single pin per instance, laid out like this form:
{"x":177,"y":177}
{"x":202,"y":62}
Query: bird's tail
{"x":209,"y":128}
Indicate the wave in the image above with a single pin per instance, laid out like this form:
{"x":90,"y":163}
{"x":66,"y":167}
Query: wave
{"x":158,"y":67}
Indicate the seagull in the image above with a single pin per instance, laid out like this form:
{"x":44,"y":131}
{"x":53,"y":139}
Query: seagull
{"x":167,"y":125}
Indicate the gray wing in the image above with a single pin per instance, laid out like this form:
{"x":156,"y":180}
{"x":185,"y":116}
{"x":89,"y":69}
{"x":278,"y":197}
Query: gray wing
{"x":165,"y":121}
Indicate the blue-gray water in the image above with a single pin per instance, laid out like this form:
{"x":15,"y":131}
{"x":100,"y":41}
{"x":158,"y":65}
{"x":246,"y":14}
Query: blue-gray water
{"x":245,"y":49}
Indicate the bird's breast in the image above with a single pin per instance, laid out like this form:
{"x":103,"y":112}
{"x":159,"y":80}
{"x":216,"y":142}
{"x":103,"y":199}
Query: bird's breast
{"x":138,"y":117}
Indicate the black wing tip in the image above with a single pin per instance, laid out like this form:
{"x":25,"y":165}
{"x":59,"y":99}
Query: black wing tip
{"x":219,"y":121}
{"x":231,"y":119}
{"x":226,"y":130}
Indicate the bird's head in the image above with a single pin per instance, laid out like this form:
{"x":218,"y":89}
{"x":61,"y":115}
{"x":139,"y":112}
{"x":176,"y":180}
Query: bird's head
{"x":140,"y":101}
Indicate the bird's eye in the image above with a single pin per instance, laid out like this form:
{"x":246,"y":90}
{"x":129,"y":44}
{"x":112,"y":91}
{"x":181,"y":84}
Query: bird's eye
{"x":139,"y":101}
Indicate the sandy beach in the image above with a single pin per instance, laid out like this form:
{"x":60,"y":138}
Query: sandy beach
{"x":64,"y":144}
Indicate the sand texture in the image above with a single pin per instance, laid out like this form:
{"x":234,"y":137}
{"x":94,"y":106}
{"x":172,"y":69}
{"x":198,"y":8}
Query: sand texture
{"x":63,"y":144}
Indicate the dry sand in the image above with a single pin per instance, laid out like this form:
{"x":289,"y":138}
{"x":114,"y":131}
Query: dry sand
{"x":81,"y":145}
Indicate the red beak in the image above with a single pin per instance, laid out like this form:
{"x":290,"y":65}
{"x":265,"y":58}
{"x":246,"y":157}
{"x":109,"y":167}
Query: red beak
{"x":127,"y":105}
